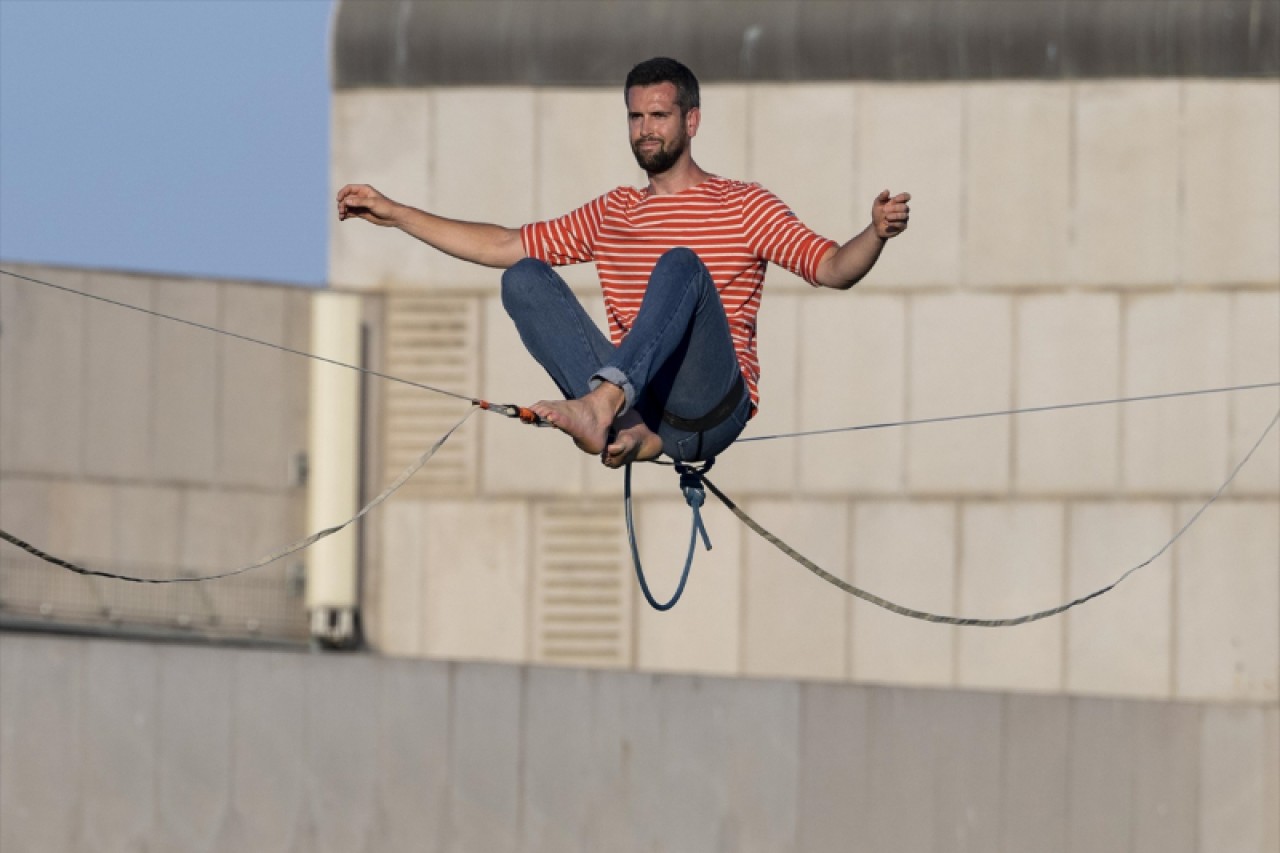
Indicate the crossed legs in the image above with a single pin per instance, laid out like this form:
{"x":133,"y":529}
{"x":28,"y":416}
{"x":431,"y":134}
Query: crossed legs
{"x":678,"y":358}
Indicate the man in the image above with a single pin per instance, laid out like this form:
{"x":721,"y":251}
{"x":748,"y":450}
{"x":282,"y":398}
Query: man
{"x":681,"y":263}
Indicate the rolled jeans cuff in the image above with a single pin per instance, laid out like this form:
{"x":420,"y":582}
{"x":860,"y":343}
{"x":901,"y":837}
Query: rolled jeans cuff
{"x":616,"y":377}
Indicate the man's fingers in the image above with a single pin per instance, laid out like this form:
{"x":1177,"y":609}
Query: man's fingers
{"x":360,"y":194}
{"x":883,"y":197}
{"x":902,"y":197}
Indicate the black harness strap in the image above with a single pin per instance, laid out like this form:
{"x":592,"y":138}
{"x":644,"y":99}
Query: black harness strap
{"x":716,"y":416}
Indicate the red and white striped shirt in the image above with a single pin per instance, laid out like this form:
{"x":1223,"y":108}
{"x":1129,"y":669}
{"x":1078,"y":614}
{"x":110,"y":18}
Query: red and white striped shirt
{"x":736,"y":228}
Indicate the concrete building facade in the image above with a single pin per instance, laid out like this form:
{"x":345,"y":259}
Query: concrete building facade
{"x":1070,"y":241}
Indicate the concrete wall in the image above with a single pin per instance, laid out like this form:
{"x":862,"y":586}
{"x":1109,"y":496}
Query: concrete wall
{"x":139,"y":445}
{"x":111,"y":746}
{"x":1069,"y":241}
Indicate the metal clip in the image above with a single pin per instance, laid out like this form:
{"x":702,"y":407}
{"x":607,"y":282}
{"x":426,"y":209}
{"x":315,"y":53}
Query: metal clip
{"x":510,"y":410}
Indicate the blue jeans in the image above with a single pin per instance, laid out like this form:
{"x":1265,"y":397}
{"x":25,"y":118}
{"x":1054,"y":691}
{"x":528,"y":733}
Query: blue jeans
{"x":677,"y":358}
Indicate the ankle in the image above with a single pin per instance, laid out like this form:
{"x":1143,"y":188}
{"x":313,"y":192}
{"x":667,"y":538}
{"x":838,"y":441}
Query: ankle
{"x":608,"y":400}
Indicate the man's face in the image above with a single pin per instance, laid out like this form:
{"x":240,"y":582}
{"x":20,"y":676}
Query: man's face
{"x":660,"y":133}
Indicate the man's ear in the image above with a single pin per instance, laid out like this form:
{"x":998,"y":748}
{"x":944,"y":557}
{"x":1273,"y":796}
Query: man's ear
{"x":691,"y":121}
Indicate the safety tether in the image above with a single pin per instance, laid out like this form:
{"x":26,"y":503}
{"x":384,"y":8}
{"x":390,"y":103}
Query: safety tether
{"x":691,"y":480}
{"x":509,"y":410}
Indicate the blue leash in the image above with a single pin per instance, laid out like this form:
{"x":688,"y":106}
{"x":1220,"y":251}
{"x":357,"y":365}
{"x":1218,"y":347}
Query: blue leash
{"x":694,"y":496}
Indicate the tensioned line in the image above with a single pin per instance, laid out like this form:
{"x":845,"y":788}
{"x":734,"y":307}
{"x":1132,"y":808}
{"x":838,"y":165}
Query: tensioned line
{"x":500,"y":409}
{"x":238,"y":336}
{"x":1023,"y":411}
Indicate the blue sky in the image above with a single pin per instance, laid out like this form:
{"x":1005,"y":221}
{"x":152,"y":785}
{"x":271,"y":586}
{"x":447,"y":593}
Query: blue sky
{"x":176,"y":136}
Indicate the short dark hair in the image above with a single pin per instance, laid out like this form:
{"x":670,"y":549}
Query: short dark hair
{"x":660,"y":69}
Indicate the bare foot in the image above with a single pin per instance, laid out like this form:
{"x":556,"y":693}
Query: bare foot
{"x":586,"y":420}
{"x":634,"y":442}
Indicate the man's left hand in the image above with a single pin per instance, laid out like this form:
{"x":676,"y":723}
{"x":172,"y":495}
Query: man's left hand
{"x":889,"y":215}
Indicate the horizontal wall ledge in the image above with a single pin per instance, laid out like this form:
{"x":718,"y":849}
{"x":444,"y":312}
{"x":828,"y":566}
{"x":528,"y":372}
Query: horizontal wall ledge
{"x":394,"y":43}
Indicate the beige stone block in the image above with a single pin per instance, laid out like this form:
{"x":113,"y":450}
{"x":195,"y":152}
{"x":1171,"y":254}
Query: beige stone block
{"x":226,"y":529}
{"x":514,"y":458}
{"x":769,"y":467}
{"x":809,"y":123}
{"x":583,"y":148}
{"x":1068,"y":352}
{"x":25,"y":511}
{"x":960,"y":363}
{"x":379,"y":137}
{"x":43,"y":365}
{"x":295,"y":401}
{"x":184,"y":418}
{"x":1234,"y":811}
{"x":15,"y":298}
{"x":206,"y":527}
{"x":910,"y":138}
{"x":1255,"y":357}
{"x":1011,"y":564}
{"x":794,"y":624}
{"x":906,"y":553}
{"x":1228,"y":603}
{"x":476,"y":581}
{"x":396,"y":625}
{"x":1120,"y":644}
{"x":25,"y":507}
{"x":229,"y":529}
{"x":723,"y":141}
{"x":482,"y":167}
{"x":1126,"y":182}
{"x":702,"y":632}
{"x":1231,"y":178}
{"x":81,"y":522}
{"x":1176,"y":342}
{"x":1271,"y":779}
{"x":852,"y":372}
{"x":1017,"y":198}
{"x":253,"y":448}
{"x":119,"y":353}
{"x":147,"y":524}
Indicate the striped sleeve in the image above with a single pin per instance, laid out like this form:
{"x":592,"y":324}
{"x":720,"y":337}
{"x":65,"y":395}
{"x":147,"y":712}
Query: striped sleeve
{"x":777,"y":235}
{"x":570,"y":239}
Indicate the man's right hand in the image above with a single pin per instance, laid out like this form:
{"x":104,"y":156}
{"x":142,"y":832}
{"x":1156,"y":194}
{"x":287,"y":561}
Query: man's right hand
{"x":364,"y":202}
{"x":478,"y":242}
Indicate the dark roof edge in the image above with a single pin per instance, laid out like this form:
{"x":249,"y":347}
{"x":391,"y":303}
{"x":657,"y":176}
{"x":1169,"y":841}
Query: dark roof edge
{"x":400,"y":43}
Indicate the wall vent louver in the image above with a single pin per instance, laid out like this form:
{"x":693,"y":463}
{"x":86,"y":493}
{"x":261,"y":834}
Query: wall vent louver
{"x":583,"y":600}
{"x":431,"y":340}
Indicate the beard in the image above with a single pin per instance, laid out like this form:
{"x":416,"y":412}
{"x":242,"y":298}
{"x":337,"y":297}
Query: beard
{"x":662,"y":158}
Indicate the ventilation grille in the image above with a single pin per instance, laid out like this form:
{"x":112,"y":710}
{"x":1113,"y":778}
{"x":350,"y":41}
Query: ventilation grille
{"x":583,"y":606}
{"x":434,"y":341}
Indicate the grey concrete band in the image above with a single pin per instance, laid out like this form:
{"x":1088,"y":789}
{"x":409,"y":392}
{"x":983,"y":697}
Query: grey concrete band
{"x":403,"y":43}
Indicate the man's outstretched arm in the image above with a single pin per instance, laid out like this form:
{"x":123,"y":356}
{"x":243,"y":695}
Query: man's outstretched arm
{"x":844,"y":267}
{"x":478,"y":242}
